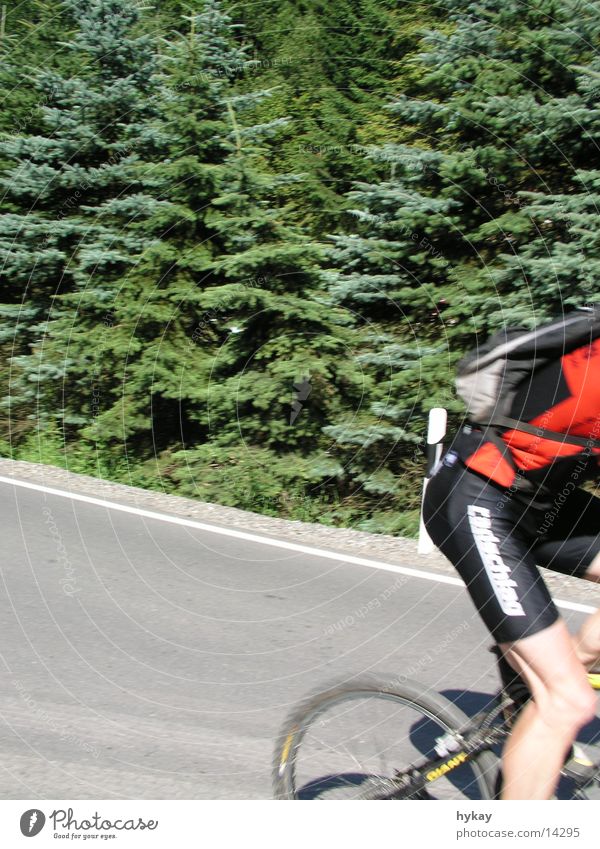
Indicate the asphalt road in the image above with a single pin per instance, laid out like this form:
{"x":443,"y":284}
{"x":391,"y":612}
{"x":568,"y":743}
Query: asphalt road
{"x":145,"y":659}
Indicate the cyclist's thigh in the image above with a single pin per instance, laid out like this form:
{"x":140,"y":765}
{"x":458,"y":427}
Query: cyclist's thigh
{"x":476,"y":528}
{"x":572,"y":541}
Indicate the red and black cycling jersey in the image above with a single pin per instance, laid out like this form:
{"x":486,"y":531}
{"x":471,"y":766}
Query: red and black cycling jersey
{"x":563,"y":396}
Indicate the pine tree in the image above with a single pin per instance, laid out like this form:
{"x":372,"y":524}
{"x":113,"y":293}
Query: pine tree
{"x":279,"y":374}
{"x":163,"y":335}
{"x":510,"y":121}
{"x":64,"y":246}
{"x":330,"y":65}
{"x":31,"y":39}
{"x":260,"y":341}
{"x":558,"y":266}
{"x":214,"y":324}
{"x":492,"y":117}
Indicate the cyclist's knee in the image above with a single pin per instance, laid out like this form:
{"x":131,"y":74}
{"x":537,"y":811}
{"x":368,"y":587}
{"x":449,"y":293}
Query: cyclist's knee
{"x":568,"y":704}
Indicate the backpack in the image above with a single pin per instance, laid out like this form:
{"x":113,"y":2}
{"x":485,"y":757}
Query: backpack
{"x":488,"y":377}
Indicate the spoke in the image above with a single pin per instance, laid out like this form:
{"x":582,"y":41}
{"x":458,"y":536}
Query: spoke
{"x":368,"y":745}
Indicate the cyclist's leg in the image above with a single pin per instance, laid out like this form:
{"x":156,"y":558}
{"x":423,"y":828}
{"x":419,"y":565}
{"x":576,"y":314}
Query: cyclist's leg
{"x":572,"y":546}
{"x":587,"y":642}
{"x":593,"y":572}
{"x":587,"y":639}
{"x":562,"y":703}
{"x":477,"y":528}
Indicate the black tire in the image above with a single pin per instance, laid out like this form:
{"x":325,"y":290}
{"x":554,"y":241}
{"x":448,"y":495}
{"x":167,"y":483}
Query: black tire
{"x":433,"y":707}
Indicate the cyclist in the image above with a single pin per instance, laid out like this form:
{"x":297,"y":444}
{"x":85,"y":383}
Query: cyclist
{"x":500,"y":504}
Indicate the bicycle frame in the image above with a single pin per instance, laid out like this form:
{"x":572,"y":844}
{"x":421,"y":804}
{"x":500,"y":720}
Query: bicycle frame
{"x":477,"y":736}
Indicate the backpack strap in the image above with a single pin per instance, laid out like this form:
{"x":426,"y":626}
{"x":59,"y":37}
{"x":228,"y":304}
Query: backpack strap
{"x":543,"y":433}
{"x":490,"y":433}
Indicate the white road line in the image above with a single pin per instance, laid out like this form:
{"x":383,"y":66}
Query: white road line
{"x":289,"y":546}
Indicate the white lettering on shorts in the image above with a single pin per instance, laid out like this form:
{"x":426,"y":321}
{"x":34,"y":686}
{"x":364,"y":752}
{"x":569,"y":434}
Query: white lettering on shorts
{"x":498,"y":572}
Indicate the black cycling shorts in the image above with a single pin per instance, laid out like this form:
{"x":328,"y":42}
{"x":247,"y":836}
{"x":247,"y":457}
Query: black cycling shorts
{"x":496,"y":543}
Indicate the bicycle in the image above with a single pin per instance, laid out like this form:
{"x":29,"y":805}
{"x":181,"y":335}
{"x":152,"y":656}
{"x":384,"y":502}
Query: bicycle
{"x":459,"y":756}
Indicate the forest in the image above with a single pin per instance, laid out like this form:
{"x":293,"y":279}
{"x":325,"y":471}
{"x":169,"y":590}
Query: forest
{"x":244,"y":245}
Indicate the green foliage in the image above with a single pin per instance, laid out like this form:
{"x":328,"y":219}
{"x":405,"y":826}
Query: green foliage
{"x":65,"y":244}
{"x":253,"y":478}
{"x":487,"y":217}
{"x":330,"y":66}
{"x":243,"y":246}
{"x":33,"y":34}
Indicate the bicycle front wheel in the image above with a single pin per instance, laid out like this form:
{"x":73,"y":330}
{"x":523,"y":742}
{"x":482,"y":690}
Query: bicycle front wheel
{"x":349,"y":740}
